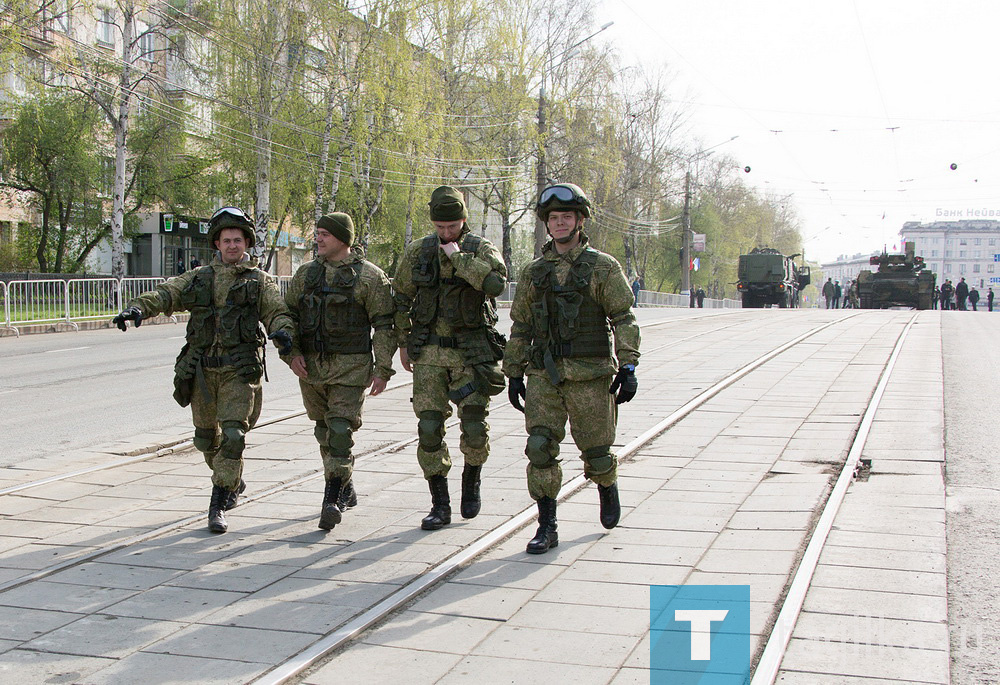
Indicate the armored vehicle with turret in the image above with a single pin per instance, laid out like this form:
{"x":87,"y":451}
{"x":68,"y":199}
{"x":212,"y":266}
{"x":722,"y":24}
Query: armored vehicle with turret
{"x":901,"y":281}
{"x":767,"y":277}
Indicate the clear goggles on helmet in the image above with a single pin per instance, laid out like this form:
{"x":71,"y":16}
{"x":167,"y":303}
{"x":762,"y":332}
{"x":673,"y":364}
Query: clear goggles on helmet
{"x":561,"y":193}
{"x":234,"y":212}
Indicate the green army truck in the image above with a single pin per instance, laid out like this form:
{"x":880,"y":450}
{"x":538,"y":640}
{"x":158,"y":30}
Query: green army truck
{"x":767,"y":277}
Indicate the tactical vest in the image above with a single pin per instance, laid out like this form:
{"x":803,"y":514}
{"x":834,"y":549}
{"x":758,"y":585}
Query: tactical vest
{"x":566,"y":320}
{"x":331,"y":319}
{"x":236,"y":323}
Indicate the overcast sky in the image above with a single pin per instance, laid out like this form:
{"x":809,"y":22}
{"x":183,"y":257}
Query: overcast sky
{"x":854,"y":108}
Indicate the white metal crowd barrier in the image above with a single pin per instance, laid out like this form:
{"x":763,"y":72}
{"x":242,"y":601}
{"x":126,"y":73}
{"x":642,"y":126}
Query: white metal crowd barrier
{"x":61,"y":302}
{"x":58,"y":302}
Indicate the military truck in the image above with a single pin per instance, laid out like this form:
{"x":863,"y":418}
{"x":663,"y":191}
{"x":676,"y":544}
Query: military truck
{"x":767,"y":277}
{"x":901,"y":281}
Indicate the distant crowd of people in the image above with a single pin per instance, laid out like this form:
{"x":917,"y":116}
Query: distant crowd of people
{"x":960,"y":296}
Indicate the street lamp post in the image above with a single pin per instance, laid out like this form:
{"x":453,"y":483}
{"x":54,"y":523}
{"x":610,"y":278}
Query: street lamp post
{"x":541,"y":173}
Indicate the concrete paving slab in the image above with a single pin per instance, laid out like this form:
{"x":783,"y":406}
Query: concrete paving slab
{"x":19,"y":624}
{"x":475,"y":601}
{"x":890,"y":559}
{"x":591,"y":648}
{"x":362,"y":570}
{"x":103,"y":636}
{"x":174,"y":669}
{"x":891,"y":605}
{"x":907,"y":582}
{"x":492,"y":669}
{"x":99,"y":574}
{"x":266,"y":614}
{"x":510,"y":572}
{"x":29,"y":666}
{"x":432,"y":632}
{"x":166,"y":603}
{"x":45,"y":594}
{"x":718,"y":560}
{"x":871,"y":630}
{"x":382,"y":665}
{"x":233,"y":643}
{"x":596,"y":593}
{"x":903,"y":664}
{"x":223,"y":575}
{"x":869,"y":540}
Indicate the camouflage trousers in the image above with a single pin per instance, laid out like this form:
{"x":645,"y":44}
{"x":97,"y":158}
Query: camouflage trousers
{"x":223,"y":411}
{"x":431,"y":388}
{"x":593,"y":416}
{"x":336,"y":409}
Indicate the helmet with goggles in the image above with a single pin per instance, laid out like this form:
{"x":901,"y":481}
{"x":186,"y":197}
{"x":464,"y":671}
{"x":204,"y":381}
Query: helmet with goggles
{"x":562,"y":197}
{"x":231,"y":217}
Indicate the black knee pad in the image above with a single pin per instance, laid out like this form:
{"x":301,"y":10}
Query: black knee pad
{"x":430,"y":430}
{"x":599,"y":460}
{"x":339,"y":437}
{"x":542,"y":449}
{"x":206,"y":439}
{"x":233,"y":440}
{"x":474,"y":425}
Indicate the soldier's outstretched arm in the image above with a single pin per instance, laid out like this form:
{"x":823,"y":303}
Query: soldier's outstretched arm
{"x":164,"y":299}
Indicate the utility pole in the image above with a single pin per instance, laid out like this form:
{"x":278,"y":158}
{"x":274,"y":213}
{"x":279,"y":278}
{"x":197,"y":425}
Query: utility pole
{"x":540,"y":231}
{"x":686,"y":237}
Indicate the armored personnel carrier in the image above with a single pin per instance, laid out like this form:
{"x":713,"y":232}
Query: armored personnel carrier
{"x":901,"y":281}
{"x":767,"y":277}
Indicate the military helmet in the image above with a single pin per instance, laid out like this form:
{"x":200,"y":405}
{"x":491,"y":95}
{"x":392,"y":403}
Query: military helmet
{"x":231,"y":217}
{"x":562,"y":197}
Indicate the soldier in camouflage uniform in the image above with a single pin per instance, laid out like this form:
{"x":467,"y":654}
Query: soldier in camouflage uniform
{"x":568,"y":304}
{"x":336,"y":300}
{"x":445,"y":318}
{"x":219,"y":369}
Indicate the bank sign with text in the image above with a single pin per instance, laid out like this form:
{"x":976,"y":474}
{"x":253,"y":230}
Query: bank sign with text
{"x":699,"y":634}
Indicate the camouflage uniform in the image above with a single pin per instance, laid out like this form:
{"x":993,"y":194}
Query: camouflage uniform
{"x":357,"y":299}
{"x":453,"y":349}
{"x":220,"y":367}
{"x":560,"y":384}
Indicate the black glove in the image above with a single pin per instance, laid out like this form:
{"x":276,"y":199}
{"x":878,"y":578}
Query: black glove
{"x":625,"y":384}
{"x":130,"y":314}
{"x":283,"y":341}
{"x":516,"y":392}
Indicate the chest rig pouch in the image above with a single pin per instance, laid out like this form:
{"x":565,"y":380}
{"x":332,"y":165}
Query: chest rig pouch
{"x":566,"y":320}
{"x":332,"y":320}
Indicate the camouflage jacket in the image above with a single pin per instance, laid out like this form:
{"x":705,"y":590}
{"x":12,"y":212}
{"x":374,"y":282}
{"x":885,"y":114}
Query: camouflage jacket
{"x":373,"y":293}
{"x":608,"y":287}
{"x":474,"y":268}
{"x":167,"y":297}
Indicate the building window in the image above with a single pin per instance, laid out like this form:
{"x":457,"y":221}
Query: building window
{"x":978,"y":241}
{"x":993,"y":241}
{"x":989,"y":268}
{"x":146,"y":44}
{"x":975,"y":268}
{"x":961,"y":254}
{"x":947,"y":254}
{"x":60,"y":16}
{"x":106,"y":28}
{"x":947,"y":268}
{"x":963,"y":241}
{"x":961,"y":268}
{"x":934,"y":253}
{"x":6,"y":232}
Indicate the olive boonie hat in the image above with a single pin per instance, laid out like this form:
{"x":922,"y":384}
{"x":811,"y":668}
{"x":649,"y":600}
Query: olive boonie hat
{"x":339,"y":225}
{"x":231,"y":217}
{"x":447,"y":204}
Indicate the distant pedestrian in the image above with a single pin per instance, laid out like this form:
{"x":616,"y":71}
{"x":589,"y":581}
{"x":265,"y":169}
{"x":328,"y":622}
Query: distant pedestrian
{"x":962,"y":294}
{"x":700,"y":296}
{"x":828,"y":291}
{"x":636,"y":287}
{"x":989,"y":299}
{"x":974,"y":298}
{"x":946,"y":292}
{"x":179,"y":265}
{"x":838,"y":292}
{"x":195,"y":263}
{"x":935,"y":297}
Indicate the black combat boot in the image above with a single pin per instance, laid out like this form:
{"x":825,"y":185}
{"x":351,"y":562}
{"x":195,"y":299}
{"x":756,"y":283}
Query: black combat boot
{"x":234,"y":496}
{"x":470,"y":491}
{"x":546,"y":536}
{"x":440,"y":504}
{"x":611,"y":509}
{"x":216,"y":517}
{"x":348,"y":496}
{"x":331,"y":514}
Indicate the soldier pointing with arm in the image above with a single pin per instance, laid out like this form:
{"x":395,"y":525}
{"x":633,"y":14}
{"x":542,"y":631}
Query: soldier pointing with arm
{"x":219,"y":369}
{"x":336,"y":300}
{"x":445,"y":318}
{"x":569,"y":304}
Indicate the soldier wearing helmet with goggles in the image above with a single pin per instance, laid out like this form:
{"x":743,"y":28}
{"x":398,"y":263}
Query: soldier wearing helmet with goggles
{"x":575,"y":338}
{"x":219,"y":369}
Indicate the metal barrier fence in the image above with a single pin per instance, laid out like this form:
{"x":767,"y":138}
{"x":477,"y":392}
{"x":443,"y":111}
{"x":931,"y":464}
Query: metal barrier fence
{"x":27,"y":303}
{"x":60,"y":302}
